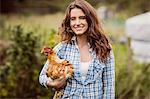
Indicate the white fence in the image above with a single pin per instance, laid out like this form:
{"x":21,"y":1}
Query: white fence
{"x":138,"y":29}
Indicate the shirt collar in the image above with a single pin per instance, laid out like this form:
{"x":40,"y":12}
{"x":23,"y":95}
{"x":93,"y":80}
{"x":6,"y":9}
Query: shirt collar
{"x":74,"y":40}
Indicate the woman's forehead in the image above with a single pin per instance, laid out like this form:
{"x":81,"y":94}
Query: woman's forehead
{"x":76,"y":12}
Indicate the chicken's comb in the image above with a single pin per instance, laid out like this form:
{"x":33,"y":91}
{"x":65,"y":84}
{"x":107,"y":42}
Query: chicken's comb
{"x":46,"y":50}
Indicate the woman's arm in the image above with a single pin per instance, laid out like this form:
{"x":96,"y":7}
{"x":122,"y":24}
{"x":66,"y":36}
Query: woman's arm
{"x":47,"y":81}
{"x":109,"y":78}
{"x":43,"y":79}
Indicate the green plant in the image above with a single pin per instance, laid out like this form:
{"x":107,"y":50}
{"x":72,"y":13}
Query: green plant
{"x":132,"y":82}
{"x":19,"y":75}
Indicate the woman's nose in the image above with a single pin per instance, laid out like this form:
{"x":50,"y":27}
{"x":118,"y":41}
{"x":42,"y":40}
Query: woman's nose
{"x":77,"y":22}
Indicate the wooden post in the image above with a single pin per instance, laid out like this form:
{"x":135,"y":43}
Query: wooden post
{"x":130,"y":55}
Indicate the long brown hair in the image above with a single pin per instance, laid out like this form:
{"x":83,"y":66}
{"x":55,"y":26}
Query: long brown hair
{"x":95,"y":34}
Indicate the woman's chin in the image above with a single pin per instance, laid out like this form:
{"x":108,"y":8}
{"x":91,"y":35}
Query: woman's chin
{"x":79,"y":33}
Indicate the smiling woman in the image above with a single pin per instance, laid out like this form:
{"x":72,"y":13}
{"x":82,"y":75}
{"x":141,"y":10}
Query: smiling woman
{"x":85,"y":46}
{"x":78,"y":21}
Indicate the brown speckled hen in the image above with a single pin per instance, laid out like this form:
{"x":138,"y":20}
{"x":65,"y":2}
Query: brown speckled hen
{"x":57,"y":67}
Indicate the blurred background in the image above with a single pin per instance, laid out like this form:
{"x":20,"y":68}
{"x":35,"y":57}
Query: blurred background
{"x":28,"y":25}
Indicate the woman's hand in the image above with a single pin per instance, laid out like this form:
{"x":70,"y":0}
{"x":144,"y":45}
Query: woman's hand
{"x":58,"y":84}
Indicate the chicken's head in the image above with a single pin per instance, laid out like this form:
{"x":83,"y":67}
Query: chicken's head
{"x":48,"y":52}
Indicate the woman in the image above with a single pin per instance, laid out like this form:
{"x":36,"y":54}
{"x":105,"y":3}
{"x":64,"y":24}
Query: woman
{"x":83,"y":44}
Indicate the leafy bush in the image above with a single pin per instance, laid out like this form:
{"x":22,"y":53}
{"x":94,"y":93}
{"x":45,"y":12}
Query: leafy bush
{"x":19,"y":75}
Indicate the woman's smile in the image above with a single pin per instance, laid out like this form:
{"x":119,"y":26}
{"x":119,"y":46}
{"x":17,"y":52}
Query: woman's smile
{"x":78,"y":28}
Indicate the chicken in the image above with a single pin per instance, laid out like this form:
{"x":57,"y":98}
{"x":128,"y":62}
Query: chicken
{"x":57,"y":67}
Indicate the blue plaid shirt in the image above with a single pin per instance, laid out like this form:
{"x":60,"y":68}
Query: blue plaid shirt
{"x":100,"y":78}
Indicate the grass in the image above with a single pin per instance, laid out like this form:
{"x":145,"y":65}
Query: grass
{"x":44,"y":22}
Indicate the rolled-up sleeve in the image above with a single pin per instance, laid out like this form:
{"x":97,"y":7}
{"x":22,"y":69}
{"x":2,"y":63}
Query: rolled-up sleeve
{"x":43,"y":77}
{"x":109,"y":78}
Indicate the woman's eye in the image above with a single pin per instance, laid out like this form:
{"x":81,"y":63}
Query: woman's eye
{"x":82,"y":17}
{"x":72,"y":19}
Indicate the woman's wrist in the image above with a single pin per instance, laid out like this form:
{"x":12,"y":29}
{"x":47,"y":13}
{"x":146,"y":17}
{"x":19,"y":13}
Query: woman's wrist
{"x":48,"y":82}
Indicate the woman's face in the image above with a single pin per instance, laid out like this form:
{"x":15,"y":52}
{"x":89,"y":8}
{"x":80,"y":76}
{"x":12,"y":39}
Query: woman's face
{"x":78,"y":22}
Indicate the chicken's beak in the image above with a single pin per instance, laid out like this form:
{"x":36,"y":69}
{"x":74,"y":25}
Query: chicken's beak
{"x":42,"y":51}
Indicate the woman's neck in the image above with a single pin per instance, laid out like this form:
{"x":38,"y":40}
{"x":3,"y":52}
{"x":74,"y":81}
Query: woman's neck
{"x":82,"y":41}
